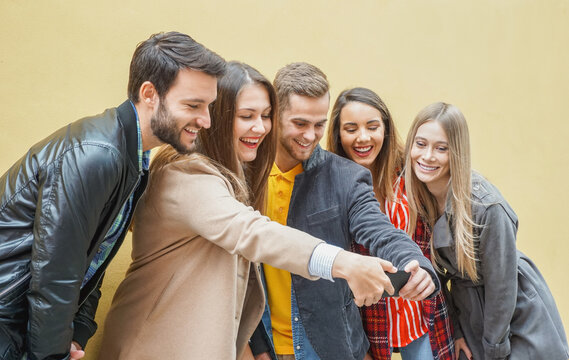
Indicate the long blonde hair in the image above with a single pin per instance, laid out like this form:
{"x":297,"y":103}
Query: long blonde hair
{"x":390,"y":158}
{"x":423,"y":203}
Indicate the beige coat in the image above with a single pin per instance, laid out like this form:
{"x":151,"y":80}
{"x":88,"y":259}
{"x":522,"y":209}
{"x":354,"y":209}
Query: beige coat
{"x":190,"y":292}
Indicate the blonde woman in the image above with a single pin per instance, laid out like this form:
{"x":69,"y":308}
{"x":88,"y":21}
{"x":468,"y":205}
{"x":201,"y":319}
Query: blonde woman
{"x":502,"y":306}
{"x":363,"y":131}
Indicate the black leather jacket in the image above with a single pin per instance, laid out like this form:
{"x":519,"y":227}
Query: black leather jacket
{"x":56,"y":205}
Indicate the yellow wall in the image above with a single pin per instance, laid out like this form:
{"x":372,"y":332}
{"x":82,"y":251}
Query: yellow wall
{"x":504,"y":63}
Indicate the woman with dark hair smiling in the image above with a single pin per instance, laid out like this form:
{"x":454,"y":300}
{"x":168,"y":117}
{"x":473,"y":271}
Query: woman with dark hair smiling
{"x":362,"y":130}
{"x":192,"y":291}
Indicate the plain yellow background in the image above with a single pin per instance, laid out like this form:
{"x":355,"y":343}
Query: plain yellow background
{"x":503,"y":63}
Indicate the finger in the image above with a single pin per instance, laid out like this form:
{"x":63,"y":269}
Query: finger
{"x":359,"y":302}
{"x":412,"y":267}
{"x":417,"y":283}
{"x":425,"y":293}
{"x":467,"y":352}
{"x":409,"y":287}
{"x":425,"y":289}
{"x":370,"y":301}
{"x":387,"y":286}
{"x":383,"y":283}
{"x":387,"y":266}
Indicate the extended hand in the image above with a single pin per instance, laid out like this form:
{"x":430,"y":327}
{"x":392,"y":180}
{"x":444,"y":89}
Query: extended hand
{"x":420,"y":285}
{"x":365,"y":276}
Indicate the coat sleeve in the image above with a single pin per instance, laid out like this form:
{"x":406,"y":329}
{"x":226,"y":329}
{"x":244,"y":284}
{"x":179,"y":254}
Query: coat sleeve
{"x":372,"y":229}
{"x":202,"y":204}
{"x":498,"y":264}
{"x":67,"y":217}
{"x":84,"y":325}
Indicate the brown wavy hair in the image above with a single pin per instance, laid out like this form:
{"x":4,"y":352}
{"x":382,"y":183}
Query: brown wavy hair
{"x":249,"y":180}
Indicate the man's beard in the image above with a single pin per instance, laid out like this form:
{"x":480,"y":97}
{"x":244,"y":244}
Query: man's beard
{"x":164,"y":127}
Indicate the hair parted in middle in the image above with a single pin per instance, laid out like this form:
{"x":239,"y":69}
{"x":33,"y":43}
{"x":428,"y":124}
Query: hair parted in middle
{"x":423,"y":203}
{"x":390,"y":158}
{"x":216,"y":143}
{"x":302,"y":79}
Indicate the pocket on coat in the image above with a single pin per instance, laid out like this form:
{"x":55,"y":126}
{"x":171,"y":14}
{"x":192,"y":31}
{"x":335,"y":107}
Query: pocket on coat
{"x":526,"y":286}
{"x":354,"y":334}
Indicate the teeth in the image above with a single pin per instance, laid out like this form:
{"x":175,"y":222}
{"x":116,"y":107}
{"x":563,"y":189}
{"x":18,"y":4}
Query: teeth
{"x":429,"y":168}
{"x":250,"y":140}
{"x":302,"y":144}
{"x":363,"y":149}
{"x":191,"y":131}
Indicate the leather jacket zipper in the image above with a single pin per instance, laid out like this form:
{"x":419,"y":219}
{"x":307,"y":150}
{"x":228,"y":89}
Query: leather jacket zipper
{"x":101,"y":275}
{"x":15,"y":285}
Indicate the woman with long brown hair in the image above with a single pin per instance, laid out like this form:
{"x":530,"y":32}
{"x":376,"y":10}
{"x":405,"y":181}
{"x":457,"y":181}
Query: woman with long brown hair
{"x":363,"y":130}
{"x":502,"y":306}
{"x":192,"y":291}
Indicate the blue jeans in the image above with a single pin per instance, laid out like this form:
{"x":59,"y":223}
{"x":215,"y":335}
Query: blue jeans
{"x":419,"y":349}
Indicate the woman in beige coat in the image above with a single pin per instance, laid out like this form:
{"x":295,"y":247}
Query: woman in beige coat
{"x":191,"y":291}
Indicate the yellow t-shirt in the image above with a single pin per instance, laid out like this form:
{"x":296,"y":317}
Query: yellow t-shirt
{"x":278,"y":281}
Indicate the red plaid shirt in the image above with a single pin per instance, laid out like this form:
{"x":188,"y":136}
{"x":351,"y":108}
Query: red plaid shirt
{"x":375,"y":318}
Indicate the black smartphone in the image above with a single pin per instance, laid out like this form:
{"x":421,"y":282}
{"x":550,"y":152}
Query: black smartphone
{"x":398,"y":280}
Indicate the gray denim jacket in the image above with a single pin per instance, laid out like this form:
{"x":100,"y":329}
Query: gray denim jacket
{"x":510,"y":312}
{"x":333,"y":200}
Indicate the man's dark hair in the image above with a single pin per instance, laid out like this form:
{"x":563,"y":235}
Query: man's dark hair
{"x":159,"y":59}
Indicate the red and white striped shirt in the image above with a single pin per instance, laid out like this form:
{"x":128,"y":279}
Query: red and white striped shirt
{"x":406,"y":316}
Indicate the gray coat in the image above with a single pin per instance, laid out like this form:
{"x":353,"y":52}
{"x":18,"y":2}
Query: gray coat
{"x":510,"y":313}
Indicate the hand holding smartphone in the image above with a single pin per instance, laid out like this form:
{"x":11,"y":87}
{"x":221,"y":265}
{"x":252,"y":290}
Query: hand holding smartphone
{"x":398,"y":280}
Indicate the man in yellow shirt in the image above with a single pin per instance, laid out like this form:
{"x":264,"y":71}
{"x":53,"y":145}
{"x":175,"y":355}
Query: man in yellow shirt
{"x":331,"y":198}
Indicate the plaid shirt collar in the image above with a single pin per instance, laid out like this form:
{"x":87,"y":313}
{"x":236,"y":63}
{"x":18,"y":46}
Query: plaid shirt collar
{"x":143,"y":156}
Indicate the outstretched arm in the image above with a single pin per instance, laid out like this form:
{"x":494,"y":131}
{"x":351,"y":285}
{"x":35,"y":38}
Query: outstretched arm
{"x":372,"y":229}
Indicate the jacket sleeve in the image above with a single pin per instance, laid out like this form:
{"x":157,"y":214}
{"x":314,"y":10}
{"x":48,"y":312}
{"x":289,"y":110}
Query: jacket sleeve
{"x":84,"y":325}
{"x":372,"y":229}
{"x":498,"y":264}
{"x":201,"y":203}
{"x":73,"y":191}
